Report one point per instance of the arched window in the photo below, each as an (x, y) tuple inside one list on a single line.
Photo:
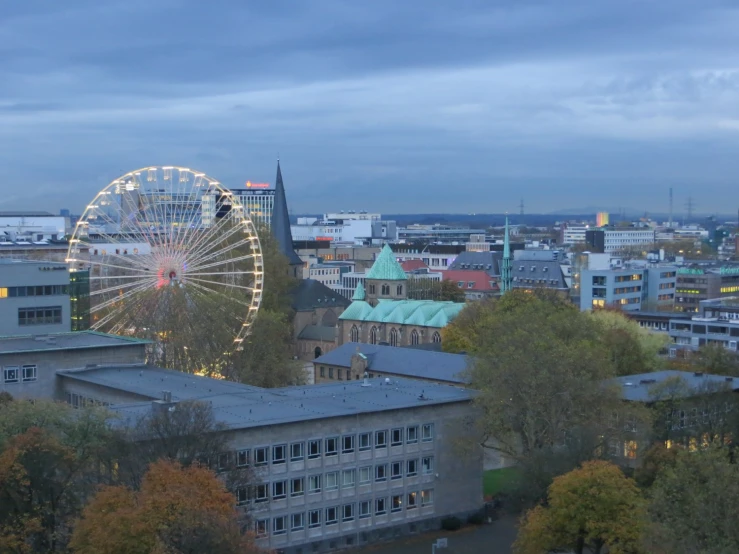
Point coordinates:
[(414, 337), (386, 290), (400, 290), (354, 334), (394, 337), (317, 353), (436, 337), (373, 335)]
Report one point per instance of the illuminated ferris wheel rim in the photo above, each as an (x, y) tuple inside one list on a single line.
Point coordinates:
[(192, 231)]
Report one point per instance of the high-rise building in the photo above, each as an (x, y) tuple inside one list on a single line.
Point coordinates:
[(601, 219), (258, 202)]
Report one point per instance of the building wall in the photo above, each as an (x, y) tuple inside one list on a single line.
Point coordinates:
[(455, 476), (396, 290), (36, 274), (384, 331), (49, 362)]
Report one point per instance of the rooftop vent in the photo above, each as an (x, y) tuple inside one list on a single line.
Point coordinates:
[(167, 396)]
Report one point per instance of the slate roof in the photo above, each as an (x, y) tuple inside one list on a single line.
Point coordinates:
[(240, 406), (311, 294), (531, 273), (323, 333), (64, 341), (405, 362), (479, 278), (280, 224), (425, 313), (487, 261), (641, 387), (386, 267)]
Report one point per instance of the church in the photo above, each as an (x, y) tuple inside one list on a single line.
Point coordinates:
[(381, 313)]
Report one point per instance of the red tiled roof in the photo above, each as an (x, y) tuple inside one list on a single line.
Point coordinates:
[(412, 265), (479, 278)]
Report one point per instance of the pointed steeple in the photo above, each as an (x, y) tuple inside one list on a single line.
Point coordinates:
[(280, 223), (359, 293), (506, 279)]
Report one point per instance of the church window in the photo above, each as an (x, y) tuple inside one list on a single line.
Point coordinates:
[(373, 335), (372, 289), (394, 337), (414, 337), (400, 290), (386, 290), (354, 334), (437, 337)]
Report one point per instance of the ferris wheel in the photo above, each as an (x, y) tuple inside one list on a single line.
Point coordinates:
[(173, 258)]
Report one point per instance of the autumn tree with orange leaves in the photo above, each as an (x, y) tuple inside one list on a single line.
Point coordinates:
[(178, 510), (594, 508)]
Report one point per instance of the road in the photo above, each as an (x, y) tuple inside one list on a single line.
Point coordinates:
[(494, 538)]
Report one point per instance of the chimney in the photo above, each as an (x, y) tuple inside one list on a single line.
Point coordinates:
[(365, 382)]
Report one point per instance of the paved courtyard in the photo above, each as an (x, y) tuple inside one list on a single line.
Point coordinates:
[(494, 538)]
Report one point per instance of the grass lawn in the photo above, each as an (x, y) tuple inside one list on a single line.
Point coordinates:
[(495, 480)]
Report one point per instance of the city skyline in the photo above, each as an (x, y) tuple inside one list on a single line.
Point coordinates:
[(420, 107)]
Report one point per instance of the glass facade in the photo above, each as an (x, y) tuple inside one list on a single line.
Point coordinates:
[(79, 299)]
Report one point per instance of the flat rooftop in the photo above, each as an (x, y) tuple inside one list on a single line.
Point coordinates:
[(645, 387), (243, 406), (64, 341)]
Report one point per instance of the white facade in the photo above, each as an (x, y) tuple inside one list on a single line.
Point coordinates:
[(30, 227), (574, 234), (619, 239), (258, 204)]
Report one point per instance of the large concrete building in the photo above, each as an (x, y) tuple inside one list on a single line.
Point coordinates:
[(335, 465), (614, 240), (34, 297), (696, 284)]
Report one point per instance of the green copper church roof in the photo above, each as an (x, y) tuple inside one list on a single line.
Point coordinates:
[(424, 313), (386, 267), (359, 292)]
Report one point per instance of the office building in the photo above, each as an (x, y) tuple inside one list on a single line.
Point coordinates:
[(30, 227), (573, 233), (612, 240), (258, 202), (696, 284), (717, 322), (34, 297)]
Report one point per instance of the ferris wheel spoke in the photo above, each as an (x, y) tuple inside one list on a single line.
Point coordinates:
[(122, 297), (149, 281), (214, 236), (103, 264), (221, 273), (208, 290), (227, 285), (118, 225), (134, 259), (223, 262), (223, 251)]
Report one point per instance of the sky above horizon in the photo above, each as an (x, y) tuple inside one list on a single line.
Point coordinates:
[(417, 106)]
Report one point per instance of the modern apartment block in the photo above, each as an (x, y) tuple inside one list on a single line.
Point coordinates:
[(34, 297), (717, 322), (633, 287), (696, 284)]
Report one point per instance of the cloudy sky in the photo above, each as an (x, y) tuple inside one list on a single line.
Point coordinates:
[(396, 106)]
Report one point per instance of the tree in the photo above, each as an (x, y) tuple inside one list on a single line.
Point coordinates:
[(266, 360), (539, 365), (593, 507), (50, 461), (420, 288), (633, 349), (463, 334), (178, 510), (695, 504), (278, 282), (451, 292), (715, 358)]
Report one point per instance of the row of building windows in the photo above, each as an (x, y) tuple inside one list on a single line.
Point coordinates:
[(16, 374), (624, 278), (39, 290), (627, 290), (345, 513), (78, 401), (328, 447), (39, 316), (333, 480), (374, 336)]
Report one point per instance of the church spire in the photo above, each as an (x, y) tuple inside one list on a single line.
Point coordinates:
[(280, 223), (506, 280)]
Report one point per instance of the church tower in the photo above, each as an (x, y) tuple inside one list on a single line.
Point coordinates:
[(280, 226), (386, 279), (506, 278)]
